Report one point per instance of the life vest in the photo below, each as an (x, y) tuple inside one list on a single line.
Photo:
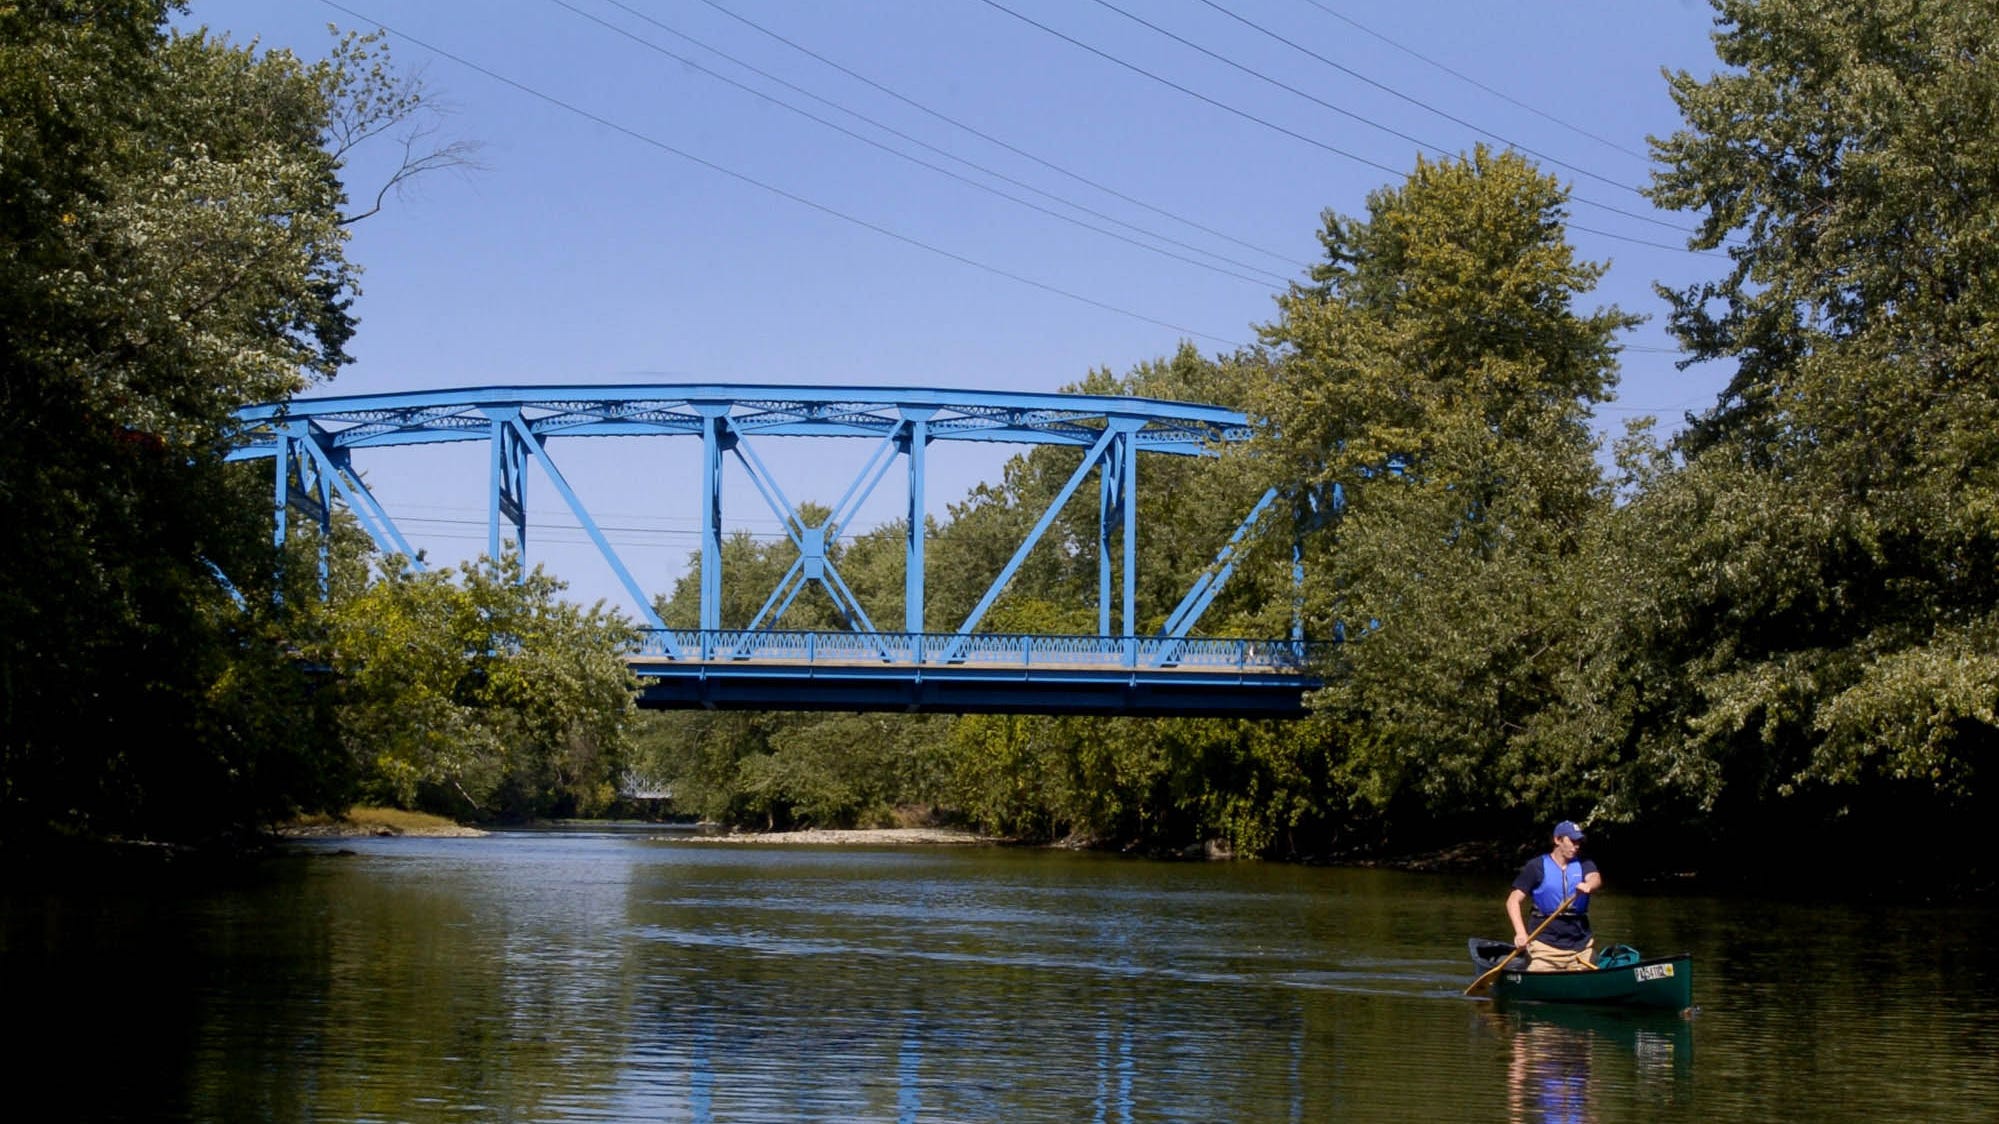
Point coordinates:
[(1557, 883)]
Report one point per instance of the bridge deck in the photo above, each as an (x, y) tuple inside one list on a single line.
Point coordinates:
[(991, 674)]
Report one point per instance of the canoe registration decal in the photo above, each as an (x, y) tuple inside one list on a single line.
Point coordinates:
[(1652, 972)]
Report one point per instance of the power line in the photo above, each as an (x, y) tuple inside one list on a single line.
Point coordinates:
[(1373, 124), (760, 536), (688, 520), (1265, 281), (1463, 77), (1316, 143), (1427, 107), (773, 189), (989, 138)]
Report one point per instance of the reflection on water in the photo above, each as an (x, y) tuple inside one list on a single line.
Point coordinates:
[(1565, 1062), (572, 977)]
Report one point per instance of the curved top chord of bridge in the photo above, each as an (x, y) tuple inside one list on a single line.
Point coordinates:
[(313, 442)]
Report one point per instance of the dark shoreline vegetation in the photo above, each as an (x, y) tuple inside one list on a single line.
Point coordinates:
[(1766, 646)]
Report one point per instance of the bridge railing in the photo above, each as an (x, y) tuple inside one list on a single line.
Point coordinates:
[(917, 649)]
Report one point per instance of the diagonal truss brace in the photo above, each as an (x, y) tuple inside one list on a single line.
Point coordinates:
[(1116, 428), (529, 446), (910, 437), (306, 463), (812, 563), (1209, 585)]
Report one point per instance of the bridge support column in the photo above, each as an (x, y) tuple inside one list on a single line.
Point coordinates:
[(303, 484), (1117, 513), (509, 491), (915, 440), (716, 438)]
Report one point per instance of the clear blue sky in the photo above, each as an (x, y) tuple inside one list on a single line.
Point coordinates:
[(635, 217)]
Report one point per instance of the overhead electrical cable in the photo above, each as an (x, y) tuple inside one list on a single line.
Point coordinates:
[(1373, 124), (988, 137), (1421, 104), (610, 532), (1267, 279), (773, 189), (1292, 133), (1463, 77)]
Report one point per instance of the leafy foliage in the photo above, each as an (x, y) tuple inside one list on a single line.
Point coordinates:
[(1826, 566), (1431, 390), (170, 249), (779, 770), (481, 692), (1785, 619)]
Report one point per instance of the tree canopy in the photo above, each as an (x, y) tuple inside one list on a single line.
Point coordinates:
[(1431, 390), (1781, 623), (170, 248), (1827, 562)]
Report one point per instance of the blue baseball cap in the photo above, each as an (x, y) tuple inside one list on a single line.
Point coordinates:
[(1567, 829)]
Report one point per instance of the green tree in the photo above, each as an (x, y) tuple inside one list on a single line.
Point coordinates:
[(482, 692), (171, 247), (1826, 565), (782, 769), (1430, 394), (1160, 784), (752, 570)]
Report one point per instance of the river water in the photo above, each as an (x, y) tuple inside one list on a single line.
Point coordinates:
[(648, 976)]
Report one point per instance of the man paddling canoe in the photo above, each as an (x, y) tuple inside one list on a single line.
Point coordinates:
[(1565, 944)]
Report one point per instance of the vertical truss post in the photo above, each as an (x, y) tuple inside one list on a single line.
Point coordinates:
[(509, 491), (530, 445), (1130, 505), (716, 437), (1110, 498), (915, 440), (281, 490), (1117, 514), (323, 501)]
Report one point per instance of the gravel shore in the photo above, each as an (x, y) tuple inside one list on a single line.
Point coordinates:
[(360, 830), (898, 836), (928, 836)]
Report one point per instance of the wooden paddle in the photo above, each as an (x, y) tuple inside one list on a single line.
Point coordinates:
[(1497, 968)]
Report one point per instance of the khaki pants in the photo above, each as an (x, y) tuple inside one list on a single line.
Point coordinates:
[(1543, 957)]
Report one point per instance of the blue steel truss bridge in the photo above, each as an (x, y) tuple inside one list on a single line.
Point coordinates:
[(315, 444)]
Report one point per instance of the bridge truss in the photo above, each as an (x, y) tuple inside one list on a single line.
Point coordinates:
[(312, 444)]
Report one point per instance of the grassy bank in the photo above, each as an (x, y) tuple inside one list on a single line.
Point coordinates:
[(367, 820)]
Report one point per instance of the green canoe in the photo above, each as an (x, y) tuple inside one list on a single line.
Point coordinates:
[(1622, 979)]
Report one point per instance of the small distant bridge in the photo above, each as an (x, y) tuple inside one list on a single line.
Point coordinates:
[(313, 442)]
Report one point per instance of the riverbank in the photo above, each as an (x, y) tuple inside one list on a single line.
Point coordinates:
[(368, 821), (863, 836)]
